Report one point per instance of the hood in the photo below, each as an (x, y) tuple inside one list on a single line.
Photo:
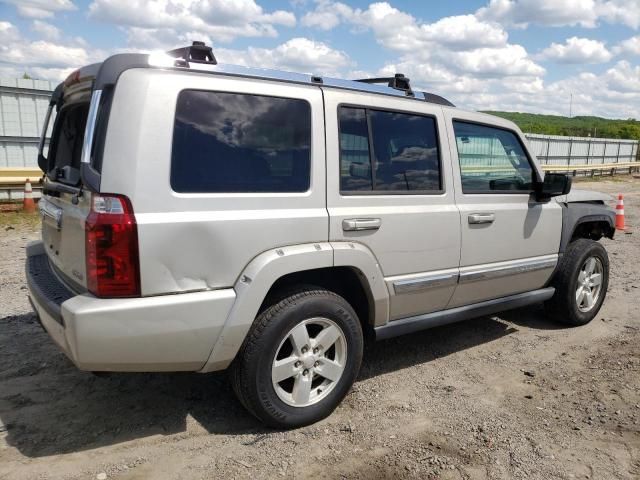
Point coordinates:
[(584, 196)]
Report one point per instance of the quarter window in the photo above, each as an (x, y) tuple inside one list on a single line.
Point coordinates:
[(491, 159), (230, 142), (388, 151)]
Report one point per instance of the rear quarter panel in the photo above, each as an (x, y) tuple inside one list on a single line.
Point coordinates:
[(200, 241)]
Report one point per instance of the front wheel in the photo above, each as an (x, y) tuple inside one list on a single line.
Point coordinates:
[(299, 359), (581, 282)]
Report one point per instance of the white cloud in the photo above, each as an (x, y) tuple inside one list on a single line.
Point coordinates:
[(298, 54), (51, 60), (503, 61), (40, 8), (220, 20), (557, 13), (45, 30), (464, 32), (44, 53), (327, 15), (628, 46), (625, 12), (614, 94), (456, 44), (8, 33), (623, 77), (521, 13), (577, 50)]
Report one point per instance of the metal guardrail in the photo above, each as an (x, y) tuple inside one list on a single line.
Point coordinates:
[(12, 183), (583, 154), (633, 166), (12, 179)]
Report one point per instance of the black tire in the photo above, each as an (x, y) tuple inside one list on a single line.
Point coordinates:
[(563, 306), (251, 370)]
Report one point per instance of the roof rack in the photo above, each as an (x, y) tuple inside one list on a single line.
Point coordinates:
[(398, 82), (198, 52)]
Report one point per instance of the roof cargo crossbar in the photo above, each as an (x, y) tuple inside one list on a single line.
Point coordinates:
[(398, 82), (198, 52)]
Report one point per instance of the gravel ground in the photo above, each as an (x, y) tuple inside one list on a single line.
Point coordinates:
[(513, 396)]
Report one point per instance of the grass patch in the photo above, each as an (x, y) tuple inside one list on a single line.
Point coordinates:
[(27, 221)]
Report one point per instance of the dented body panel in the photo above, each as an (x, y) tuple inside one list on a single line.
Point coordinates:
[(201, 240)]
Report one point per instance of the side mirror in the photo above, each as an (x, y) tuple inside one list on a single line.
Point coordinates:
[(554, 184)]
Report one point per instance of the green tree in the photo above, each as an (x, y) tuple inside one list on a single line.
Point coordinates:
[(575, 126)]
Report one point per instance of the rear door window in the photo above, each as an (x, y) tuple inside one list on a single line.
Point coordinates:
[(240, 143), (388, 152)]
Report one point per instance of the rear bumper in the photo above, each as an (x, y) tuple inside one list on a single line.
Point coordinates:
[(161, 333)]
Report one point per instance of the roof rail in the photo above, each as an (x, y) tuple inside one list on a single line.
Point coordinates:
[(198, 52), (398, 82), (433, 98)]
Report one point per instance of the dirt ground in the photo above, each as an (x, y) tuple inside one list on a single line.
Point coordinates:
[(513, 396)]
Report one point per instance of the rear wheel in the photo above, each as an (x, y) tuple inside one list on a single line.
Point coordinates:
[(581, 282), (299, 360)]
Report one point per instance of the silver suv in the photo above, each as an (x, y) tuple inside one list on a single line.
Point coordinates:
[(199, 217)]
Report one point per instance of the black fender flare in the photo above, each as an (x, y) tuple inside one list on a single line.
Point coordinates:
[(579, 213)]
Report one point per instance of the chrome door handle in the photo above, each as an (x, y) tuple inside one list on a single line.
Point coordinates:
[(357, 224), (476, 218)]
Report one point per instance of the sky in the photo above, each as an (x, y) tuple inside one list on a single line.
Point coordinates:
[(513, 55)]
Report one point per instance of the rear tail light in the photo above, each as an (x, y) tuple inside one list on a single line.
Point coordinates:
[(111, 246)]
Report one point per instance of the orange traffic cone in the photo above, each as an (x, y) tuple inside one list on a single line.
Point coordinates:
[(28, 205), (620, 213)]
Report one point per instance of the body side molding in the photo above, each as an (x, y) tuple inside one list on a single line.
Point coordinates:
[(506, 269), (414, 283)]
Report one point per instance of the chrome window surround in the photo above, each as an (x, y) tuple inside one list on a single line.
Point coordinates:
[(45, 127), (91, 126)]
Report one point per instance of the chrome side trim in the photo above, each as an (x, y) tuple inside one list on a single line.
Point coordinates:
[(417, 283), (45, 127), (443, 278), (91, 126), (480, 273)]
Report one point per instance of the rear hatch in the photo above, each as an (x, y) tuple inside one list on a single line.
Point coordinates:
[(64, 205)]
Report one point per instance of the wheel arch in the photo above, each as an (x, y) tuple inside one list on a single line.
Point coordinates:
[(346, 281), (319, 264), (586, 220)]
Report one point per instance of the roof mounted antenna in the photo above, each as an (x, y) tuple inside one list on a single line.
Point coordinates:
[(198, 52), (398, 82)]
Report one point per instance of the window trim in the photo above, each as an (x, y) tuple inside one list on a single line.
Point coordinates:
[(303, 193), (372, 192), (534, 170)]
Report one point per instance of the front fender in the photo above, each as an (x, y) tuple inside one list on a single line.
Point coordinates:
[(576, 214)]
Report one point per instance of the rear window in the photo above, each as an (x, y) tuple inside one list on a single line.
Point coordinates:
[(240, 143)]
